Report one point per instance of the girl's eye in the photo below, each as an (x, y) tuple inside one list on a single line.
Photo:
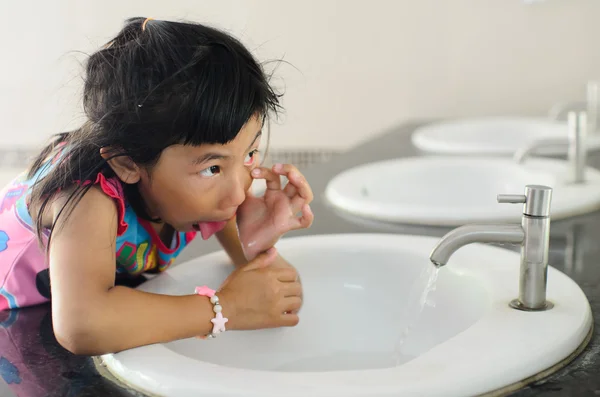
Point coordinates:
[(211, 171), (249, 160)]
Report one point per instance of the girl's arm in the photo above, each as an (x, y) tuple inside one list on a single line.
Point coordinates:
[(93, 316)]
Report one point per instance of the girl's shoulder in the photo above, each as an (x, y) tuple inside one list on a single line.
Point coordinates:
[(105, 198)]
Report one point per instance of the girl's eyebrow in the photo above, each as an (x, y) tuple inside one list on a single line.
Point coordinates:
[(209, 156)]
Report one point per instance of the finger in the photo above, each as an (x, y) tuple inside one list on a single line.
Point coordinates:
[(272, 179), (307, 217), (284, 169), (262, 260), (304, 189), (296, 179), (297, 204), (305, 220), (292, 289), (289, 320), (290, 190), (286, 274), (292, 304)]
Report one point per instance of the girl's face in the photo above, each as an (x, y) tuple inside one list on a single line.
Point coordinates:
[(193, 184)]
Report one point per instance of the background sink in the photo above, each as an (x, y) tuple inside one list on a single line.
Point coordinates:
[(492, 136), (366, 327), (451, 191)]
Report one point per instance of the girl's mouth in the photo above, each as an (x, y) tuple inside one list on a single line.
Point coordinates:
[(207, 229)]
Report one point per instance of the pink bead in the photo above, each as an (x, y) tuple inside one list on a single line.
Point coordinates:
[(205, 291)]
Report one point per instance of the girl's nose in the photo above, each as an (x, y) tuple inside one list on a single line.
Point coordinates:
[(241, 185), (247, 178)]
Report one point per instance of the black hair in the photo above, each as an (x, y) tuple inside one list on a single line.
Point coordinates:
[(156, 84)]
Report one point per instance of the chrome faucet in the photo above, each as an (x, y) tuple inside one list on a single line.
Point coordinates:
[(575, 142), (591, 105), (533, 234)]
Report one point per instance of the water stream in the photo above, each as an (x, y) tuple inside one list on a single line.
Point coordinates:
[(424, 285)]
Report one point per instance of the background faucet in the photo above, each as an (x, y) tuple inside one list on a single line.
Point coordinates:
[(574, 142), (591, 105), (533, 234)]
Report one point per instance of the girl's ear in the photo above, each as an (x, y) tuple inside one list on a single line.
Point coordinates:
[(127, 171)]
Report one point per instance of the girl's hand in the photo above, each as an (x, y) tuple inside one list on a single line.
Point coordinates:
[(263, 220), (259, 295)]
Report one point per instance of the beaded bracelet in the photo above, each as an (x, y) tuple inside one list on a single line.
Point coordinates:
[(218, 321)]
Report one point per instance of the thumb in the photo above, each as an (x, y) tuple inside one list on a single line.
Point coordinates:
[(262, 260)]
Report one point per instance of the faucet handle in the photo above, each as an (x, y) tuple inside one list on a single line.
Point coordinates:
[(536, 200), (512, 198)]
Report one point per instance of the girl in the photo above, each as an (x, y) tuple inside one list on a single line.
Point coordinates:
[(175, 113)]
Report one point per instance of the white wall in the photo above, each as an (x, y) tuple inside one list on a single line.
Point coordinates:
[(363, 66)]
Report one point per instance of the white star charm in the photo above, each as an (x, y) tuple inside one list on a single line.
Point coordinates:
[(219, 323)]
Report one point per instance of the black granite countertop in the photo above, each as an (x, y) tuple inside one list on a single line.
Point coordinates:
[(33, 364)]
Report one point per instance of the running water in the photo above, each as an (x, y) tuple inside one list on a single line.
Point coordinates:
[(424, 285)]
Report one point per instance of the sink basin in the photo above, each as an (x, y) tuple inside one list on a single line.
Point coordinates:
[(451, 191), (368, 328), (492, 136)]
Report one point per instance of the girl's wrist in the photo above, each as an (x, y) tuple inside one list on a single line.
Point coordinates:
[(252, 250), (227, 303), (251, 254), (219, 313)]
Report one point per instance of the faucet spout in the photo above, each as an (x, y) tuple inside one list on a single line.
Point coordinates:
[(528, 150), (574, 144), (533, 234), (468, 234)]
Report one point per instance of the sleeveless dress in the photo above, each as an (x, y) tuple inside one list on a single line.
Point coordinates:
[(24, 273)]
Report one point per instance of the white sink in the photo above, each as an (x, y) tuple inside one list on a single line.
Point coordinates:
[(451, 191), (362, 332), (492, 136)]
